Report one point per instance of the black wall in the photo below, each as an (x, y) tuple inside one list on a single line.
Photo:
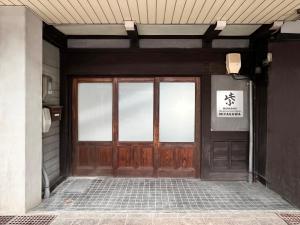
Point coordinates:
[(283, 121)]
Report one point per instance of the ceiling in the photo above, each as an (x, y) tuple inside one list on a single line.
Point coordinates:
[(150, 13)]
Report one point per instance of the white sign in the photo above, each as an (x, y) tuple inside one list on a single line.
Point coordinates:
[(230, 103)]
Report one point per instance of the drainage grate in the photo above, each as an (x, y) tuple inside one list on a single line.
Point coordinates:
[(5, 219), (290, 219), (32, 220)]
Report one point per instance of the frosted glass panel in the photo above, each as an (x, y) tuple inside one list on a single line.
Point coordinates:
[(135, 111), (177, 112), (95, 112)]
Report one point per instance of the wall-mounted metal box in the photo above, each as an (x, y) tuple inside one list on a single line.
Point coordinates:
[(56, 112)]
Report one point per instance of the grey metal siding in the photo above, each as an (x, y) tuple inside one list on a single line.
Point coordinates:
[(51, 139)]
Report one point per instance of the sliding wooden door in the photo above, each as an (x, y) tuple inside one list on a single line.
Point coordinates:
[(178, 127), (134, 122), (136, 126), (92, 127)]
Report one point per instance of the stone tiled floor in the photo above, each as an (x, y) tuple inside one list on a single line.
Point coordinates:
[(159, 195), (204, 218)]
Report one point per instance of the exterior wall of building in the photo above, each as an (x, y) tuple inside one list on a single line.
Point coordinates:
[(156, 62), (283, 142), (21, 109), (51, 139)]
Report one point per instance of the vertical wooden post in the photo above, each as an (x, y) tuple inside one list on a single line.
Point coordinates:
[(197, 155), (156, 127), (74, 154), (115, 126)]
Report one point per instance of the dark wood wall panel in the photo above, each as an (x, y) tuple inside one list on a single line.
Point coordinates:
[(283, 120), (103, 156), (146, 157), (166, 158), (229, 156), (135, 160), (185, 157), (124, 157), (239, 155), (219, 156), (92, 159), (149, 61), (178, 161), (85, 156), (135, 156), (260, 126)]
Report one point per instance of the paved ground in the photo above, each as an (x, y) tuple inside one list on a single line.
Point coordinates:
[(159, 195), (207, 218), (162, 201)]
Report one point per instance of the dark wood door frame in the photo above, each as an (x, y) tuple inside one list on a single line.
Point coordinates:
[(177, 151), (88, 145)]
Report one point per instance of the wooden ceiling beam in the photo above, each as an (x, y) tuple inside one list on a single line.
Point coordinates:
[(263, 32), (133, 35), (54, 36), (210, 34)]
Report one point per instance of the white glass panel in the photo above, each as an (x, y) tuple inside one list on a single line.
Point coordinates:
[(135, 111), (177, 112), (95, 112)]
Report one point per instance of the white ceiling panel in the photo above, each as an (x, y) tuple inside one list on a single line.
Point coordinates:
[(97, 11), (116, 10), (160, 11), (142, 6), (215, 8), (283, 12), (186, 12), (240, 10), (178, 10), (169, 11), (151, 6), (134, 10), (196, 11), (124, 8), (226, 7), (205, 11)]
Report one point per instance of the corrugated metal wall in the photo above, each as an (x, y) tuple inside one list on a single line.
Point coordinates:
[(51, 59)]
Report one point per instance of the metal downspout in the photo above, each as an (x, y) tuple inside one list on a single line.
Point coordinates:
[(250, 175)]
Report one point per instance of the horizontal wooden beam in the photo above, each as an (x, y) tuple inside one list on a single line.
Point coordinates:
[(54, 36), (151, 37), (263, 32)]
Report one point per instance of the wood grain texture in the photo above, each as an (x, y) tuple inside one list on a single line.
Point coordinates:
[(136, 158)]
